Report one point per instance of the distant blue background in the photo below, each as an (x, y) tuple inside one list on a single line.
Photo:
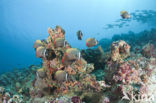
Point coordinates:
[(24, 21)]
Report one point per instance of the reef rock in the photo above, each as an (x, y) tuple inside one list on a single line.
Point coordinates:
[(119, 50), (148, 50)]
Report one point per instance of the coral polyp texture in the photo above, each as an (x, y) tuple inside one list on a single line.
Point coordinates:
[(125, 73)]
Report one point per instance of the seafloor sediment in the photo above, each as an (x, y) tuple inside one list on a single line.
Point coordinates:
[(120, 70)]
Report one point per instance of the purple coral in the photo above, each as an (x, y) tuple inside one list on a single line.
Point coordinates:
[(126, 74)]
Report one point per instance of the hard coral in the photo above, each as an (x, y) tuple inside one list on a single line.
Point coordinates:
[(119, 50)]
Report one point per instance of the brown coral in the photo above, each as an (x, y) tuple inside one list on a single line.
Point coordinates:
[(119, 50)]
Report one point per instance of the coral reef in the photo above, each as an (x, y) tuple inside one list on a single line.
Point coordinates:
[(132, 77), (132, 39), (122, 72), (63, 72), (15, 85)]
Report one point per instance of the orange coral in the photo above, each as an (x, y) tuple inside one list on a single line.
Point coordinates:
[(70, 70)]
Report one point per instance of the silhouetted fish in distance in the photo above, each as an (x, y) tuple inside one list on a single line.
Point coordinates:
[(79, 34)]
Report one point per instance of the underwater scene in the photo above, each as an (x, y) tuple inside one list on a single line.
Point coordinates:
[(77, 51)]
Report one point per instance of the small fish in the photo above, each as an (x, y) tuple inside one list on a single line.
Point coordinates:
[(79, 35), (90, 42), (61, 76), (40, 52), (125, 14), (37, 44), (71, 55), (59, 42)]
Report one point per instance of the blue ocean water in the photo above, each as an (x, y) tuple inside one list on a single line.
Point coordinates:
[(24, 21)]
